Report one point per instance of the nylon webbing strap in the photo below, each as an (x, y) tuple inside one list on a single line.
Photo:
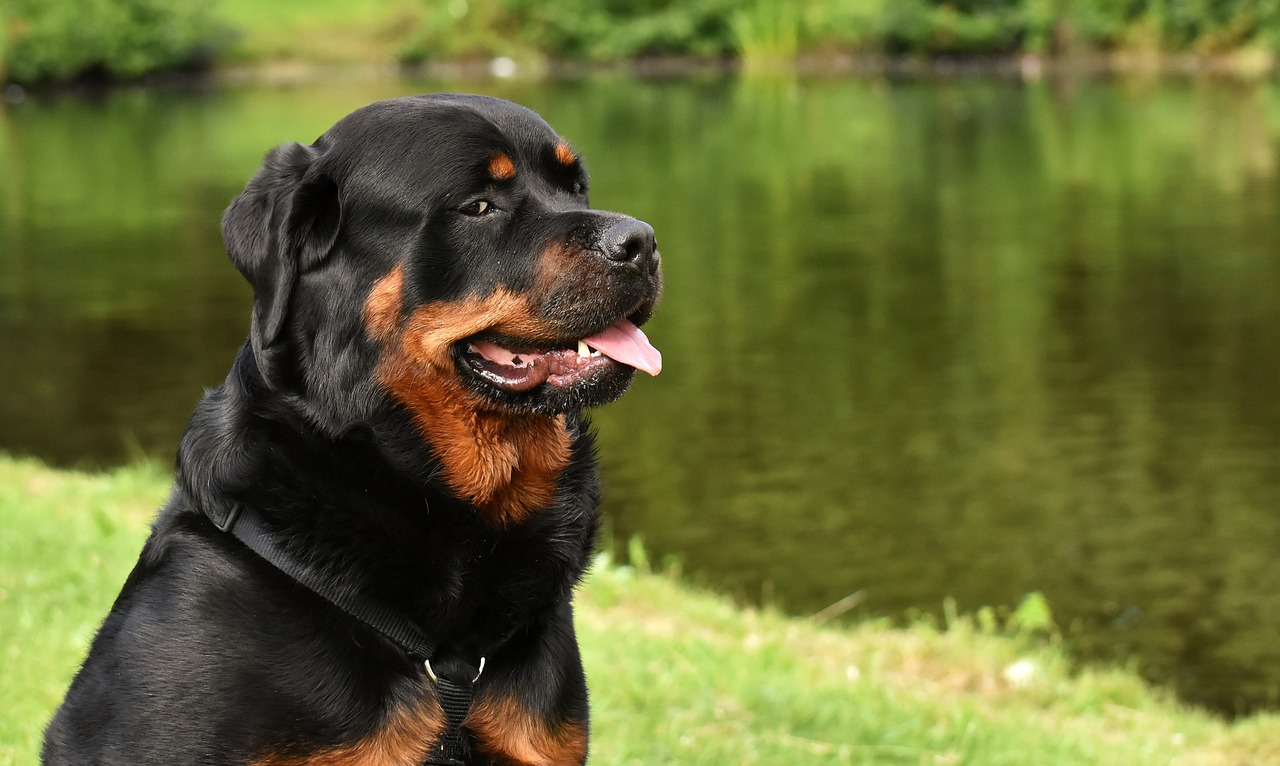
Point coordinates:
[(390, 623), (455, 698), (456, 701)]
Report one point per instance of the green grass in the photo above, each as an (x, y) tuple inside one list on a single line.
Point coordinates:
[(767, 34), (60, 39), (318, 31), (69, 540), (678, 676)]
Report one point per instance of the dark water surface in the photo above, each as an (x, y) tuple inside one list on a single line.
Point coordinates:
[(923, 340)]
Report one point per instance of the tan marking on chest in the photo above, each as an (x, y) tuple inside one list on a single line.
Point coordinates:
[(512, 736), (403, 740)]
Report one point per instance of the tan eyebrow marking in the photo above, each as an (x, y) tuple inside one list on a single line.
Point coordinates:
[(565, 155), (501, 168)]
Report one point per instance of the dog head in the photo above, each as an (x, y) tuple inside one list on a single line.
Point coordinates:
[(439, 253)]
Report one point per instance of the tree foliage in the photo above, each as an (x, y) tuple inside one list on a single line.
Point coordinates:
[(61, 39), (583, 29), (609, 29)]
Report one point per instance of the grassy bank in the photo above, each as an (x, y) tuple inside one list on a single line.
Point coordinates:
[(678, 676), (1235, 35), (43, 40)]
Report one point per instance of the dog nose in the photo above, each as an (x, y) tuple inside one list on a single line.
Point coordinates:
[(629, 241)]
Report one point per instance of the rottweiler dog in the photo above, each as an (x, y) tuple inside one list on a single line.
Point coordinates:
[(379, 518)]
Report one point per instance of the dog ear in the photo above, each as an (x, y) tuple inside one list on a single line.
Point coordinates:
[(284, 222)]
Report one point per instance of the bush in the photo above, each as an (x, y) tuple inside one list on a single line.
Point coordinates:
[(63, 39), (773, 29), (60, 39), (600, 30)]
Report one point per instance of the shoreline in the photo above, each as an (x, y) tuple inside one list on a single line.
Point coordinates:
[(1241, 66)]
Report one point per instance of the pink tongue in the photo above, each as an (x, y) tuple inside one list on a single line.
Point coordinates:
[(624, 342)]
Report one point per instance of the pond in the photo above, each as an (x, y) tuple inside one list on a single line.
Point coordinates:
[(964, 339)]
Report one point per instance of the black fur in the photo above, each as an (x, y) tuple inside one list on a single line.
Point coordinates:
[(210, 655)]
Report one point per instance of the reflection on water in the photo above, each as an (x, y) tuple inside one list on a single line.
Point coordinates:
[(968, 339)]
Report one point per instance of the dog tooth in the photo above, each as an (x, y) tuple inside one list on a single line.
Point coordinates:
[(584, 350)]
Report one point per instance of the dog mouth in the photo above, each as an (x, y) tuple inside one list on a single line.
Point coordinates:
[(517, 366)]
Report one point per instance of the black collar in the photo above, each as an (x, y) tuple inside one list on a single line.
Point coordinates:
[(243, 524), (454, 695)]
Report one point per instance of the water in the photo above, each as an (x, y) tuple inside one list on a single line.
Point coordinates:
[(967, 339)]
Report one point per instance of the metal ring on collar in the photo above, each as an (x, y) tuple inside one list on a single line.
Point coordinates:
[(431, 673)]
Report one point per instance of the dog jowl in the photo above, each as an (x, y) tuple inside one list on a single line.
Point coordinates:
[(378, 519)]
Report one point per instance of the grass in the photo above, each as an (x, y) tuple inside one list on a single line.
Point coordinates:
[(318, 31), (286, 40), (678, 675), (767, 33)]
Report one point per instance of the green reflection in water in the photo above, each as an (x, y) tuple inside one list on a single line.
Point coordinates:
[(967, 339)]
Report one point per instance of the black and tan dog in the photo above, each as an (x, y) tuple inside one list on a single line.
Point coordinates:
[(393, 494)]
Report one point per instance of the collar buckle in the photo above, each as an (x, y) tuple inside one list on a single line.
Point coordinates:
[(225, 521)]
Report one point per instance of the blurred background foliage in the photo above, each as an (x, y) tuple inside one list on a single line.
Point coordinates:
[(61, 39)]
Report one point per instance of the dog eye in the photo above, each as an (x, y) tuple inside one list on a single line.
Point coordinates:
[(478, 208)]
